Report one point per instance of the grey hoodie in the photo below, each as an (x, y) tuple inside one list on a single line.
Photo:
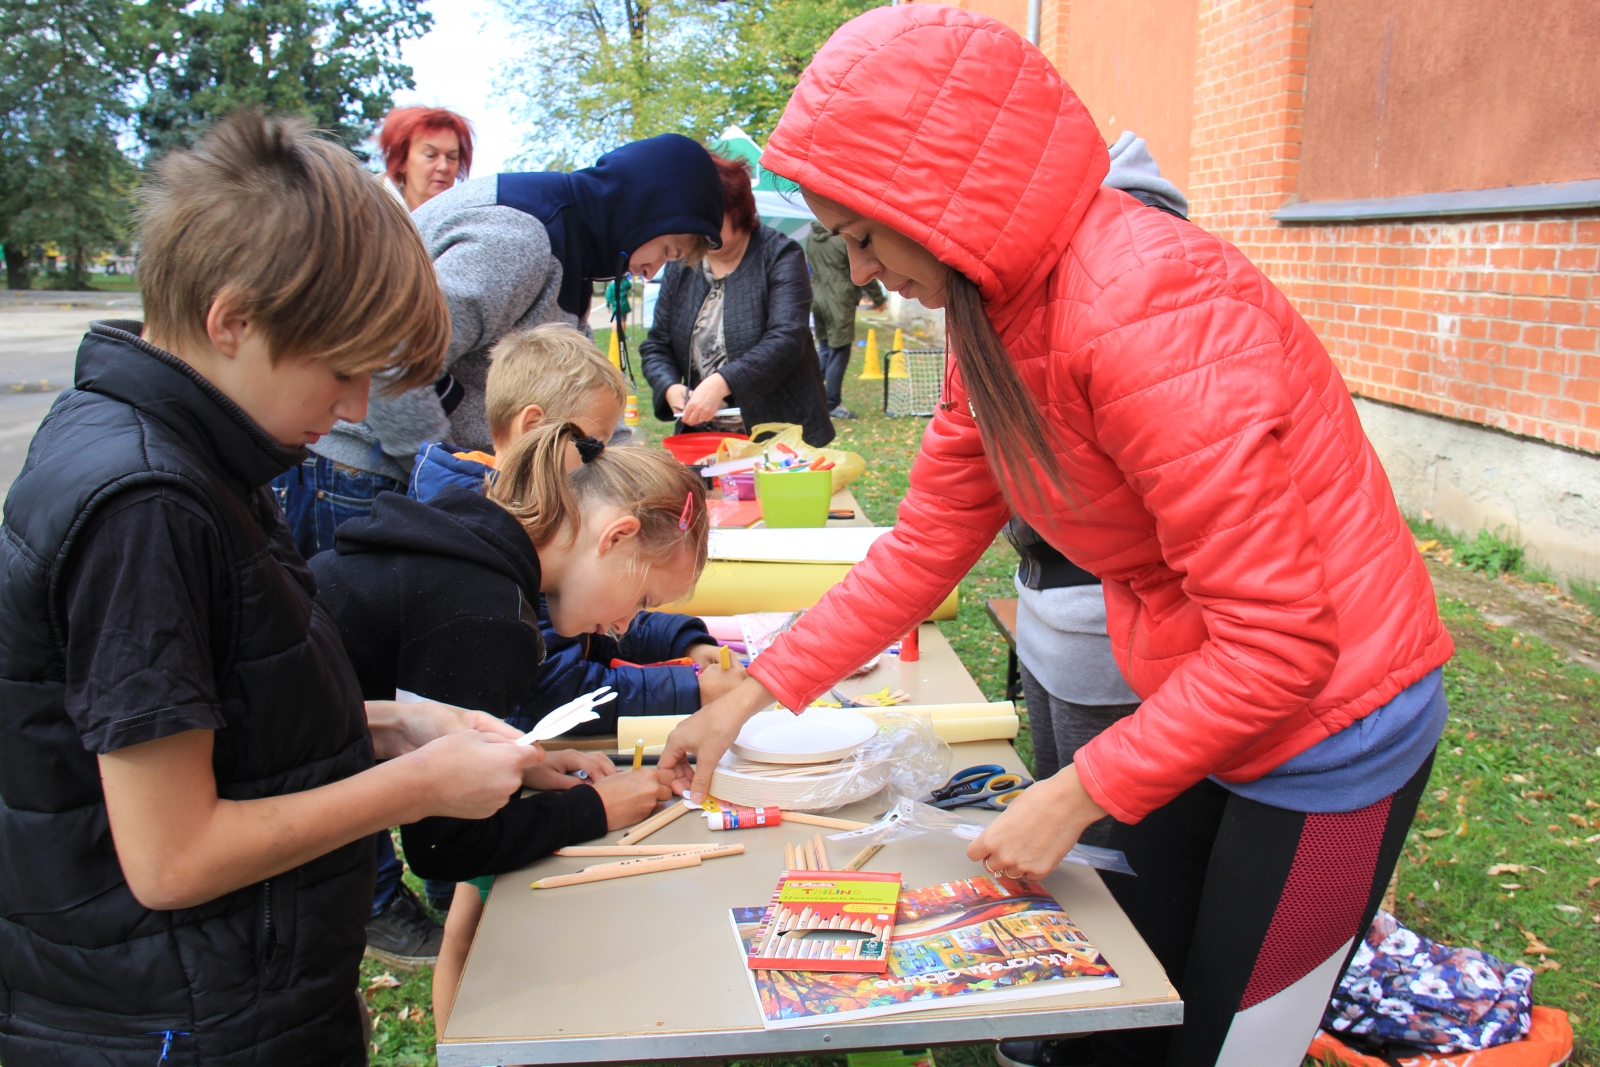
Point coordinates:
[(498, 275)]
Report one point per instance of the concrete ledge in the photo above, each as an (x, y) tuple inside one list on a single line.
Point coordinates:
[(1515, 199), (1470, 477)]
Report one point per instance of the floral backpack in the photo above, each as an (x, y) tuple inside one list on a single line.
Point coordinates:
[(1406, 999)]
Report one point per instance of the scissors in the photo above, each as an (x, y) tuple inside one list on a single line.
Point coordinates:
[(978, 786)]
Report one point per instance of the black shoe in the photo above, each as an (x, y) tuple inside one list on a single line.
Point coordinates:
[(403, 934), (1073, 1052), (841, 412)]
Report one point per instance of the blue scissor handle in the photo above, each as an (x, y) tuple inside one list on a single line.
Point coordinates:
[(964, 783), (993, 786)]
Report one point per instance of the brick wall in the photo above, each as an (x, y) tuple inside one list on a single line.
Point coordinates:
[(1491, 321)]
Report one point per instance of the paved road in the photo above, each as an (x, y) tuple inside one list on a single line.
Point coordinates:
[(39, 335)]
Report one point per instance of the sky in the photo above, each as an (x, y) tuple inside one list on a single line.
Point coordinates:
[(455, 66)]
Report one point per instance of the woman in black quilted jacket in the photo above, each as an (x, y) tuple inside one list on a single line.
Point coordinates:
[(733, 331)]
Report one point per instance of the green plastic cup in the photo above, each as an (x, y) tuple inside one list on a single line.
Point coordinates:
[(794, 498)]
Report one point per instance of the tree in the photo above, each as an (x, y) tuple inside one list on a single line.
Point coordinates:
[(63, 176), (599, 73), (337, 62)]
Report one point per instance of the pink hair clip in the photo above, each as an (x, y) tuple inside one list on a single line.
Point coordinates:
[(688, 512)]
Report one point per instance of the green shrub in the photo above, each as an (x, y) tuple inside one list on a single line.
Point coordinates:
[(1491, 553)]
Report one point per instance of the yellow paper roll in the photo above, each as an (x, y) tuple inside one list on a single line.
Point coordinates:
[(735, 587)]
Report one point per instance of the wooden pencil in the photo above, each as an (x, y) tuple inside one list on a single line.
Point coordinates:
[(619, 870), (674, 810), (633, 850), (824, 864), (860, 859), (788, 856), (704, 854), (821, 820)]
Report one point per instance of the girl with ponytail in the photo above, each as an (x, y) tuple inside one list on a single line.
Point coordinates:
[(440, 599), (1145, 398)]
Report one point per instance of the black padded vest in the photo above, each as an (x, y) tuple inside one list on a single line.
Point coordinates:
[(263, 975)]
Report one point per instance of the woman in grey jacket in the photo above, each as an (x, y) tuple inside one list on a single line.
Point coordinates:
[(734, 330)]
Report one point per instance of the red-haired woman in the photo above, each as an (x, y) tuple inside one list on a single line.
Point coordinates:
[(1149, 402), (426, 150), (734, 329)]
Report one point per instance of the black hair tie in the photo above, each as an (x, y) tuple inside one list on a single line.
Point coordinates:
[(588, 447)]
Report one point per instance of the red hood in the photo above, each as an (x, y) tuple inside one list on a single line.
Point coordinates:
[(949, 127)]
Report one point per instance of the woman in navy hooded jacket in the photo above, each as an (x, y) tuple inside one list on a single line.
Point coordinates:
[(514, 251)]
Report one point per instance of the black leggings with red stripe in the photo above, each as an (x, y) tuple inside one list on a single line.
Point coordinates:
[(1254, 912)]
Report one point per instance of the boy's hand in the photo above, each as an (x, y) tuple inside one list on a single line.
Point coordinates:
[(705, 655), (559, 769), (471, 774), (399, 727), (632, 795), (714, 681)]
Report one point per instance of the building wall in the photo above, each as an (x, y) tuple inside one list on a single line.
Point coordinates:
[(1430, 96)]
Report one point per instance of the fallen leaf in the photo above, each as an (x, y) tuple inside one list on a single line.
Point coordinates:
[(1461, 831), (1578, 820), (1510, 868), (1436, 832), (1519, 779), (1568, 909), (1547, 965), (1424, 546), (1538, 794), (383, 981), (1523, 817), (1512, 885), (1594, 882)]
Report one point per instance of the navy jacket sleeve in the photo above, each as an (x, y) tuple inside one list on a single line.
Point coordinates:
[(570, 671), (654, 636), (525, 830)]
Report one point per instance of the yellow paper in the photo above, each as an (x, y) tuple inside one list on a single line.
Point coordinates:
[(733, 587)]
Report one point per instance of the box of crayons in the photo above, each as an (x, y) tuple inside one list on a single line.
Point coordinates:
[(828, 921)]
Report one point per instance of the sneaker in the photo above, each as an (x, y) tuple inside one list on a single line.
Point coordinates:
[(404, 935), (841, 412), (1070, 1053)]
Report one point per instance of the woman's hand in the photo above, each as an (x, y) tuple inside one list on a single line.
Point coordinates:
[(560, 767), (706, 400), (707, 734), (632, 795), (677, 396), (400, 727), (1031, 836)]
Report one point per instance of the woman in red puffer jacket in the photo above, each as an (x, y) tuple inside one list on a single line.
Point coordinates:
[(1153, 406)]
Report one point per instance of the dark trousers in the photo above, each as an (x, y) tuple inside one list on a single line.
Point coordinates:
[(835, 361), (1253, 912)]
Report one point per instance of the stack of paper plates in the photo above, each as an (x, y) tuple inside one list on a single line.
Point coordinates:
[(792, 761)]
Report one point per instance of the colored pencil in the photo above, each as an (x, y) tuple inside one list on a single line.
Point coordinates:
[(655, 822), (638, 754), (824, 864), (861, 858), (725, 656), (609, 871)]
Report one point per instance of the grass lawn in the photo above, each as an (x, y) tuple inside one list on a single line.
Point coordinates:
[(1515, 787)]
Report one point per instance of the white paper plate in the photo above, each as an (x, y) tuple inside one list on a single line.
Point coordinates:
[(815, 736)]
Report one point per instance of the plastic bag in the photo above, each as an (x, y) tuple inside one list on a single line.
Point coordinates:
[(911, 818), (847, 466), (905, 756)]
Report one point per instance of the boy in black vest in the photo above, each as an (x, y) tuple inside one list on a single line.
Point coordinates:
[(187, 788)]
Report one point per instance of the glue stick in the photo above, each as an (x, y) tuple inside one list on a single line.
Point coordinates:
[(744, 818), (909, 652)]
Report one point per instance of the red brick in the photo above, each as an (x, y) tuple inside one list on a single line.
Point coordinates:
[(1579, 340), (1548, 384)]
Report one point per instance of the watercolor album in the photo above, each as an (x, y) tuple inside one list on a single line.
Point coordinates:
[(975, 941)]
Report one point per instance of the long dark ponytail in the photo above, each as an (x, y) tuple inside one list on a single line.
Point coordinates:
[(1019, 442)]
